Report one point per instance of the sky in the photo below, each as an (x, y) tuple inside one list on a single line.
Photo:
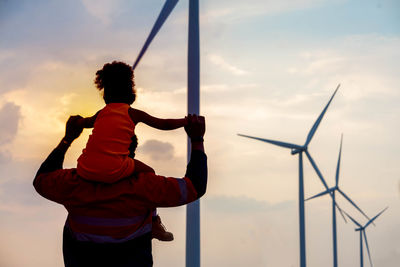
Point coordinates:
[(267, 69)]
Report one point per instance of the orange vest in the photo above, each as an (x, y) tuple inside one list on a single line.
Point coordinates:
[(105, 158)]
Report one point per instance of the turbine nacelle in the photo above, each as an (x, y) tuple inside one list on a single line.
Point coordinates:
[(295, 151)]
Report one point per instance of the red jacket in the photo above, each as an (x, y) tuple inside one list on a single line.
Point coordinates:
[(117, 212)]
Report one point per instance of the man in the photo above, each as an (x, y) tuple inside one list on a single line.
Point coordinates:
[(110, 224)]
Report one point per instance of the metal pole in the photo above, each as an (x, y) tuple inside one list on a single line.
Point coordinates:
[(334, 230), (193, 209), (301, 214), (361, 250)]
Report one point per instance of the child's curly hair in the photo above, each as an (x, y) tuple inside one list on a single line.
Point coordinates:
[(117, 80)]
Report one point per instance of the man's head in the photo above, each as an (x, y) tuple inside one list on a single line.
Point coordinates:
[(117, 81)]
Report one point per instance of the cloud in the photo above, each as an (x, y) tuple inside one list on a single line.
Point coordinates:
[(18, 195), (5, 156), (220, 62), (254, 230), (354, 62), (104, 10), (10, 116), (243, 204), (212, 88), (398, 187), (158, 150), (234, 10)]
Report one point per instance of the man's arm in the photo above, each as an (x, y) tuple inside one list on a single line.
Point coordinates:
[(197, 168), (56, 158), (197, 171), (160, 191)]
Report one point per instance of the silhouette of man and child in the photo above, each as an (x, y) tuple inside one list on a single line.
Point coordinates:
[(111, 197)]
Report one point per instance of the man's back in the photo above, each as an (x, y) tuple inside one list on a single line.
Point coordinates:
[(117, 212)]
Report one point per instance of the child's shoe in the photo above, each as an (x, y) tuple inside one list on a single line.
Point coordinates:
[(159, 232)]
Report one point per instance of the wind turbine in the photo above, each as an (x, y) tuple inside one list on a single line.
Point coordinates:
[(332, 192), (193, 74), (361, 229), (300, 149)]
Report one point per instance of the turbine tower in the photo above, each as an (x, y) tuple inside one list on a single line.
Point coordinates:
[(300, 149), (361, 229), (193, 209), (332, 192)]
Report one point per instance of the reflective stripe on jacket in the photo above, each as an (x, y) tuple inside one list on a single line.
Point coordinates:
[(108, 230)]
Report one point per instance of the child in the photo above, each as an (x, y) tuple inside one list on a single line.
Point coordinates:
[(106, 156)]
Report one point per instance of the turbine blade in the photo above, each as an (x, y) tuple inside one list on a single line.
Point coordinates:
[(318, 121), (341, 211), (338, 163), (351, 218), (373, 219), (352, 203), (317, 170), (366, 244), (318, 195), (278, 143), (162, 17)]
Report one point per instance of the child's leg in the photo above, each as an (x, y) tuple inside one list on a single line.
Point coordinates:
[(158, 229)]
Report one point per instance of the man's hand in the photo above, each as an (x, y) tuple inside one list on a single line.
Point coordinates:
[(73, 128), (196, 127), (55, 160)]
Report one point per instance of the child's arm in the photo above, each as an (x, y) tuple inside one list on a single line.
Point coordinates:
[(161, 124), (89, 121), (141, 167)]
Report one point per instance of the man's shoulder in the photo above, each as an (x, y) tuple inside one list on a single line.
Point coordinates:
[(64, 172), (60, 175), (150, 179), (56, 184)]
